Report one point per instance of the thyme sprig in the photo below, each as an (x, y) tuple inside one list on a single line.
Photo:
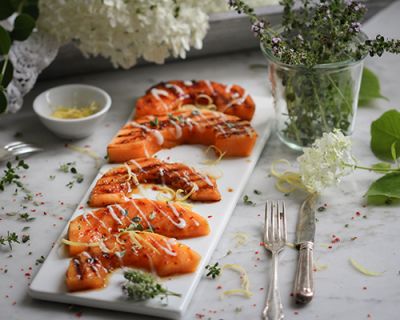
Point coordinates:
[(317, 32), (11, 176), (69, 167), (213, 270), (141, 286), (11, 238)]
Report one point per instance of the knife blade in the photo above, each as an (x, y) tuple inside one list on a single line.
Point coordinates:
[(305, 233)]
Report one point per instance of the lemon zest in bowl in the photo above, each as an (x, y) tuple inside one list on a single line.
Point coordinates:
[(75, 112), (364, 270)]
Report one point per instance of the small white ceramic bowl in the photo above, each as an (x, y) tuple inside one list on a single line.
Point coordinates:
[(71, 95)]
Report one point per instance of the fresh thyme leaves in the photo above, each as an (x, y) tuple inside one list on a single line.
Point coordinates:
[(213, 270), (258, 192), (40, 260), (26, 217), (11, 238), (11, 176), (247, 201), (52, 177), (70, 167), (141, 286), (154, 122)]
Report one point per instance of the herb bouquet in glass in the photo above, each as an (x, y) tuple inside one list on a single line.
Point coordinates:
[(315, 63)]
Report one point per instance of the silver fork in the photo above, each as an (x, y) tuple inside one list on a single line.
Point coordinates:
[(17, 148), (275, 241)]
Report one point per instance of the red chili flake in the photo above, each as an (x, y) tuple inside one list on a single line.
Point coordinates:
[(257, 252), (296, 313), (325, 204), (81, 207), (27, 274), (364, 288), (62, 203), (44, 213), (219, 287), (358, 213), (209, 217), (42, 202), (254, 305), (60, 218), (200, 316), (262, 244), (33, 210), (30, 268), (14, 303), (352, 218), (261, 289), (78, 314), (330, 247)]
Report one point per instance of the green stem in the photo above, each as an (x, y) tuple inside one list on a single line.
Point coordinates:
[(340, 93), (371, 169), (320, 106), (3, 71)]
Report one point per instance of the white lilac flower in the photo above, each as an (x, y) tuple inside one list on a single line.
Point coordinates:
[(326, 162), (125, 30)]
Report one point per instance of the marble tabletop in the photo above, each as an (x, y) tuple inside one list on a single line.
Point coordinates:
[(371, 236)]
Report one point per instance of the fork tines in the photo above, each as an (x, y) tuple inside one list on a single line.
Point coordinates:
[(275, 221)]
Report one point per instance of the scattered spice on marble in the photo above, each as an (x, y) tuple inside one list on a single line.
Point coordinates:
[(258, 192), (353, 238), (230, 189)]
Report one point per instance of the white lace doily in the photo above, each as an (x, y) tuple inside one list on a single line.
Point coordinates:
[(29, 58)]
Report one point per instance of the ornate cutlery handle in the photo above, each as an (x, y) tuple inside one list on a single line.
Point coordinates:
[(273, 308), (304, 284)]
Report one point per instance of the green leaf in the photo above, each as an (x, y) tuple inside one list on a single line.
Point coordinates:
[(8, 74), (370, 88), (31, 8), (381, 167), (385, 131), (5, 41), (6, 9), (385, 189), (3, 102), (23, 27)]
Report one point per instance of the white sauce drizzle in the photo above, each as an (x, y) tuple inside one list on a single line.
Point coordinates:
[(208, 84), (228, 88), (141, 213), (156, 93), (188, 83), (177, 88), (178, 129), (159, 137), (113, 214), (137, 165)]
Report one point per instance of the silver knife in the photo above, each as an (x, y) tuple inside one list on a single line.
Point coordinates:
[(305, 232)]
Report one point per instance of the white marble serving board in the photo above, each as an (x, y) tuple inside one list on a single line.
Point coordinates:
[(49, 283)]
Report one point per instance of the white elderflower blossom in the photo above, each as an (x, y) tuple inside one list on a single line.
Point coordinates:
[(125, 30), (326, 162)]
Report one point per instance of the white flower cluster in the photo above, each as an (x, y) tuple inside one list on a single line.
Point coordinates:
[(124, 30), (326, 162)]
